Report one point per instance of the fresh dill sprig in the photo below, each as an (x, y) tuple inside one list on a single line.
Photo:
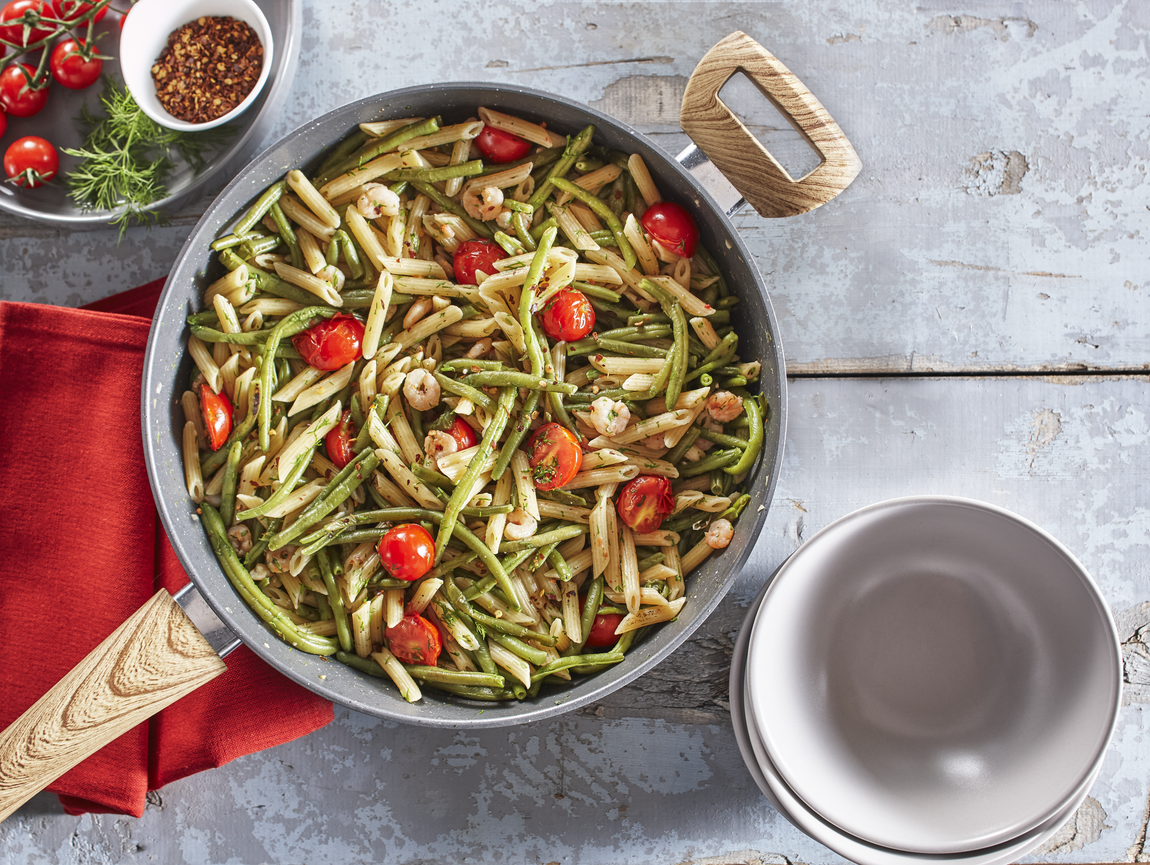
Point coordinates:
[(126, 158)]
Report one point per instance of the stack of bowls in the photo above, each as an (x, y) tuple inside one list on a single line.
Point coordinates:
[(928, 679)]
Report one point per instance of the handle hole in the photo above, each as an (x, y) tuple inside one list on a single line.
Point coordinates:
[(769, 126)]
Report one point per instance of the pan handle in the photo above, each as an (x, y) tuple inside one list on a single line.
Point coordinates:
[(149, 662), (741, 158)]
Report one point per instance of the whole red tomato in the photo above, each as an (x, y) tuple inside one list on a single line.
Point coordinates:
[(331, 344), (340, 441), (414, 640), (473, 255), (554, 455), (217, 412), (407, 551), (671, 225), (71, 68), (17, 10), (18, 98), (568, 316), (30, 161), (462, 432), (497, 145), (70, 10), (644, 502)]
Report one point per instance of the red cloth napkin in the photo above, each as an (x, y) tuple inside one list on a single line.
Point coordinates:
[(81, 548)]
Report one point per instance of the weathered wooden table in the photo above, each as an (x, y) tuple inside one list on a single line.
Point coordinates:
[(969, 318)]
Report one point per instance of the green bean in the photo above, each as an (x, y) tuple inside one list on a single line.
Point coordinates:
[(510, 378), (612, 657), (576, 145), (736, 509), (287, 234), (513, 644), (364, 665), (722, 438), (518, 206), (381, 146), (289, 326), (431, 476), (542, 539), (465, 390), (260, 209), (208, 334), (620, 648), (563, 497), (231, 471), (715, 460), (285, 489), (509, 244), (596, 291), (435, 175), (480, 512), (520, 222), (458, 600), (337, 490), (466, 363), (263, 606), (518, 433), (342, 629), (754, 443), (527, 300), (560, 565), (444, 676), (343, 150), (603, 212), (718, 357), (537, 231), (675, 455), (350, 254), (231, 240), (469, 692)]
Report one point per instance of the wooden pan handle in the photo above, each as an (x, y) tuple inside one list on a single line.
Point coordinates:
[(149, 662), (749, 166)]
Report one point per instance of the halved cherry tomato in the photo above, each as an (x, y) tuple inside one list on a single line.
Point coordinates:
[(217, 412), (407, 551), (497, 145), (414, 640), (602, 633), (70, 10), (568, 316), (554, 455), (644, 502), (340, 441), (473, 255), (332, 343), (462, 432), (671, 225), (30, 161), (15, 32), (18, 98), (71, 69)]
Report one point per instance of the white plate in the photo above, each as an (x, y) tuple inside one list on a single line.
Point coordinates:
[(934, 675)]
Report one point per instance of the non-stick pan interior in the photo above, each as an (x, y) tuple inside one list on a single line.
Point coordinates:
[(167, 371)]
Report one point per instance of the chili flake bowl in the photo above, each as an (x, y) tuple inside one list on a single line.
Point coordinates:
[(145, 35)]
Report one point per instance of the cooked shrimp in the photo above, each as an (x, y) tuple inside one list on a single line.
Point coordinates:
[(482, 202), (609, 417), (421, 390), (438, 443), (241, 539), (332, 275), (520, 525), (376, 201), (714, 426), (279, 561), (724, 406), (418, 309), (719, 534)]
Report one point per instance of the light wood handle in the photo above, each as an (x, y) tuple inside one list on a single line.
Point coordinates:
[(749, 166), (149, 662)]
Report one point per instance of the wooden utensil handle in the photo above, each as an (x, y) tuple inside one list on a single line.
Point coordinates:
[(149, 662), (749, 166)]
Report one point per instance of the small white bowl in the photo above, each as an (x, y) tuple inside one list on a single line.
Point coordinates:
[(145, 34), (934, 675)]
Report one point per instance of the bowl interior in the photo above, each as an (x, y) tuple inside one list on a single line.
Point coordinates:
[(167, 369), (145, 35), (934, 675)]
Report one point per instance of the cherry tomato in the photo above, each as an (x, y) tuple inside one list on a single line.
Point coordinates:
[(464, 435), (407, 551), (473, 255), (18, 98), (71, 69), (499, 146), (3, 120), (15, 32), (568, 316), (414, 640), (217, 412), (602, 634), (554, 455), (644, 502), (671, 225), (340, 441), (70, 10), (30, 161), (331, 344)]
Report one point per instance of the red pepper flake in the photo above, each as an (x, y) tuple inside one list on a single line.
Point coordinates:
[(208, 67)]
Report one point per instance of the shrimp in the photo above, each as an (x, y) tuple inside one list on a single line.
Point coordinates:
[(241, 539), (421, 390), (376, 201), (609, 417), (436, 444), (279, 561), (520, 525), (719, 534), (724, 406), (482, 202), (332, 275)]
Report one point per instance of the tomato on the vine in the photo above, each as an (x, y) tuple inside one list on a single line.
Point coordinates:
[(602, 633), (18, 98), (497, 145), (414, 640), (671, 225), (554, 455), (16, 10), (331, 344), (340, 441), (644, 502), (473, 255), (30, 161), (217, 413), (71, 68), (568, 316), (70, 10), (407, 551), (462, 432)]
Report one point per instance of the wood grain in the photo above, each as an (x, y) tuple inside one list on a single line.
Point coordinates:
[(149, 662), (742, 158)]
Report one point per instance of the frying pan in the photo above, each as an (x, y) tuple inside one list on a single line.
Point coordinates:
[(171, 646)]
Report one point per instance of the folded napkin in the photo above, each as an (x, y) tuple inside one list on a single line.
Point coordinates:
[(81, 548)]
